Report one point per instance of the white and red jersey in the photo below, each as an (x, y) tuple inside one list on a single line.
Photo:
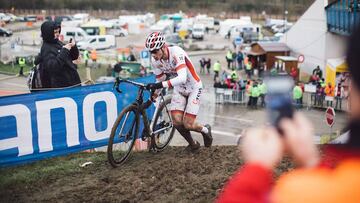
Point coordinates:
[(178, 62)]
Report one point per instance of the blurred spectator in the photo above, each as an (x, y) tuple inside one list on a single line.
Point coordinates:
[(229, 58), (239, 59), (262, 92), (117, 68), (248, 69), (248, 87), (208, 65), (242, 84), (246, 60), (343, 77), (234, 61), (131, 57), (294, 73), (314, 79), (202, 65), (229, 82), (297, 95), (228, 35), (93, 56), (86, 57), (329, 92), (322, 83), (339, 94), (217, 69), (319, 97), (224, 75), (302, 86), (217, 83), (22, 65), (334, 178), (56, 59), (318, 72), (234, 76), (255, 93)]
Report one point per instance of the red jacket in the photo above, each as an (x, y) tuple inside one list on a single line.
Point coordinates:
[(253, 183)]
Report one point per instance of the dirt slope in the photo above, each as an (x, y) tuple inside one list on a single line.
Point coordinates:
[(170, 176)]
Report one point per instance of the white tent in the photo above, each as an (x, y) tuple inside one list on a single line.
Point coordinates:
[(309, 37)]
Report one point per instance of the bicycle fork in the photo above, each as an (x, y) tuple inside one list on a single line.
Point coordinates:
[(147, 132)]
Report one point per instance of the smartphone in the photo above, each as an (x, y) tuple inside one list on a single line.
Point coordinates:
[(279, 99), (70, 41)]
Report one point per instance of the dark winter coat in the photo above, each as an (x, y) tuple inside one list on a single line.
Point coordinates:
[(57, 68)]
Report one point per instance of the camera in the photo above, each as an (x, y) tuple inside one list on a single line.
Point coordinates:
[(279, 99)]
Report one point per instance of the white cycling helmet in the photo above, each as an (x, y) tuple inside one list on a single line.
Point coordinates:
[(154, 41)]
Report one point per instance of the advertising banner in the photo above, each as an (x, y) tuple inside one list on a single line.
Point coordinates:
[(52, 123)]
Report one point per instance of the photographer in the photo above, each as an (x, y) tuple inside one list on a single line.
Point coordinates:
[(56, 59), (334, 178)]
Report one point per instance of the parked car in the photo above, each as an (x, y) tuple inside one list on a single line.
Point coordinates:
[(30, 18), (249, 36), (117, 31), (5, 33), (5, 18), (12, 17), (198, 31), (97, 42), (76, 33)]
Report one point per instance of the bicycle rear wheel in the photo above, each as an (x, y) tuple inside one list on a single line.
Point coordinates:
[(123, 136), (163, 124)]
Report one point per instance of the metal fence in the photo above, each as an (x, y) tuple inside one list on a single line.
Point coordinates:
[(223, 95), (310, 100)]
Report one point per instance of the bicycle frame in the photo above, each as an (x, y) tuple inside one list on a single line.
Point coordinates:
[(142, 106)]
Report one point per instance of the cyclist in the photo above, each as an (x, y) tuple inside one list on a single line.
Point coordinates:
[(185, 101)]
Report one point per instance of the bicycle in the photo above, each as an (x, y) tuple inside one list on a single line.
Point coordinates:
[(126, 127)]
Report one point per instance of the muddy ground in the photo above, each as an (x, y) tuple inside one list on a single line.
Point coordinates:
[(173, 175)]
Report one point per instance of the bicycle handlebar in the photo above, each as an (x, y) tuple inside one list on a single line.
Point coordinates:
[(118, 81), (141, 85)]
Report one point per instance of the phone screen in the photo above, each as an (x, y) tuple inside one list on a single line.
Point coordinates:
[(279, 99)]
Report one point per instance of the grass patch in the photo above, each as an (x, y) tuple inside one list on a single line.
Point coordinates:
[(49, 168), (13, 69)]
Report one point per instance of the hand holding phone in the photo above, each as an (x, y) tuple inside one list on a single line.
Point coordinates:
[(70, 44), (279, 103)]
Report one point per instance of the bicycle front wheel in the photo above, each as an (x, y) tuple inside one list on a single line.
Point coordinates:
[(163, 126), (123, 136)]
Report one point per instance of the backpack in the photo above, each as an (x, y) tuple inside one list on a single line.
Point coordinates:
[(34, 78)]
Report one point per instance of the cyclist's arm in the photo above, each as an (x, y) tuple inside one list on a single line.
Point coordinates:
[(179, 79)]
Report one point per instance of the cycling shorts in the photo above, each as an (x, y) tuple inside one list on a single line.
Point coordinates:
[(189, 103)]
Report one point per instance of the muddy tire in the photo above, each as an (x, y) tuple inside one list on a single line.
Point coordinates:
[(162, 117), (123, 136)]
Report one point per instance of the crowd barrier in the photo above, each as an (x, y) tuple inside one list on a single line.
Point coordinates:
[(51, 123), (224, 95), (310, 100)]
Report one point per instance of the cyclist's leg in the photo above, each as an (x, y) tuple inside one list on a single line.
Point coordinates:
[(178, 103), (192, 109)]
